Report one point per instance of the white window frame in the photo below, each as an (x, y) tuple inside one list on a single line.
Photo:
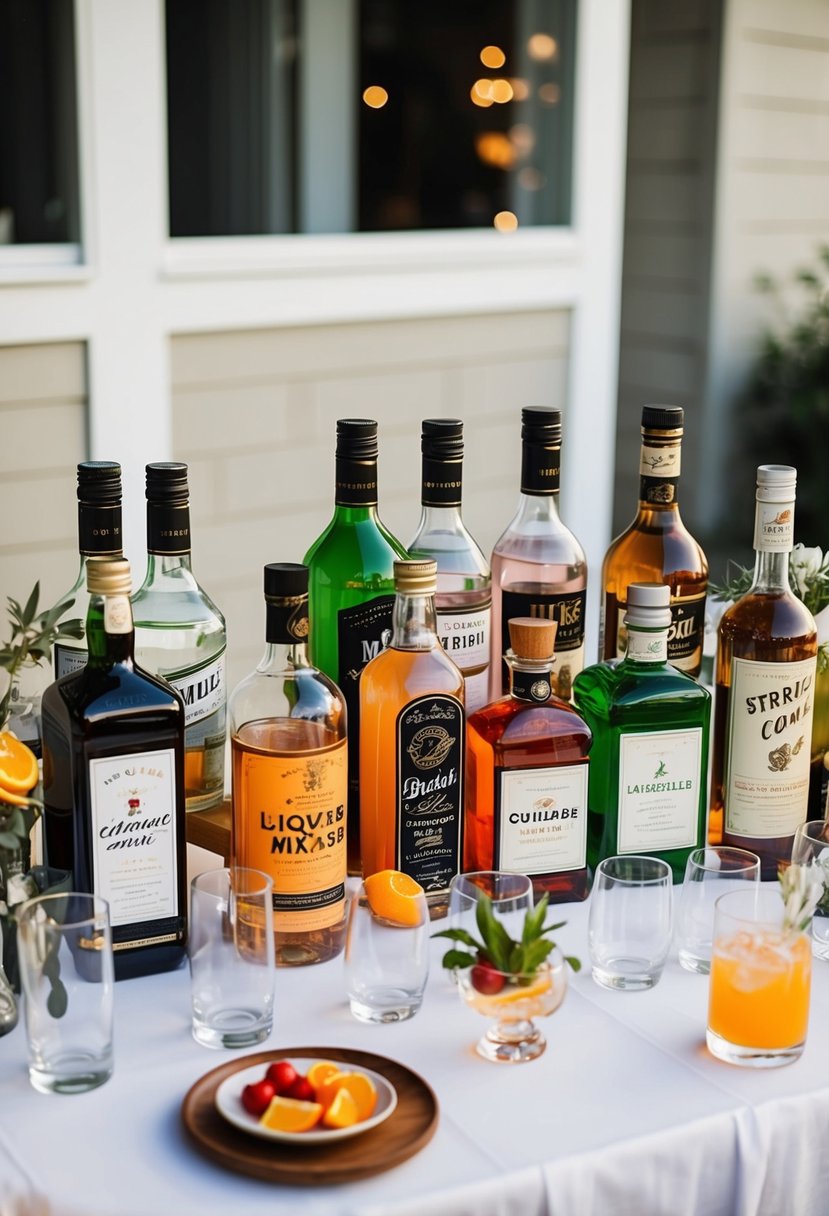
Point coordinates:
[(128, 288)]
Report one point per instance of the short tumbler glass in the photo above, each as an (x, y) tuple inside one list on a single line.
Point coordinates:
[(386, 963), (629, 921), (709, 873), (231, 951), (811, 843), (66, 968)]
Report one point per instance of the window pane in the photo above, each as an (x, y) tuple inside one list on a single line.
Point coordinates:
[(38, 137)]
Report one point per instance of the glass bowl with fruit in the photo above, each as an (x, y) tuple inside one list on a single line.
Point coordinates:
[(511, 980)]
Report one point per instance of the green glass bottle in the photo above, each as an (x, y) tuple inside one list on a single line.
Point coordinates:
[(650, 723), (351, 590)]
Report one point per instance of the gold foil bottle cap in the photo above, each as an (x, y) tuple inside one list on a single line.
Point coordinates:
[(532, 638), (108, 576), (416, 577)]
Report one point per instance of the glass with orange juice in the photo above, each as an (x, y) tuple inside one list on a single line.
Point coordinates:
[(761, 973)]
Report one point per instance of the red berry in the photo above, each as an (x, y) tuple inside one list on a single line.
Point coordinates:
[(256, 1098), (302, 1090), (487, 979), (282, 1075)]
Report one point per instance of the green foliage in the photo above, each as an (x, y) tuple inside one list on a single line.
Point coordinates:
[(519, 958), (33, 634)]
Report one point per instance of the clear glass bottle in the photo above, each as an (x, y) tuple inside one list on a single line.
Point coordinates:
[(180, 633), (113, 783), (351, 589), (649, 761), (290, 778), (538, 566), (526, 775), (765, 687), (657, 548), (412, 746), (464, 596)]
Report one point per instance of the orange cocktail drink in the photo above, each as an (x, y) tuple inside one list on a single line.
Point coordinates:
[(758, 1010)]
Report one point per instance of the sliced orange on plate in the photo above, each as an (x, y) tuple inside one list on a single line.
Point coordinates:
[(394, 896), (342, 1112), (291, 1115), (321, 1071)]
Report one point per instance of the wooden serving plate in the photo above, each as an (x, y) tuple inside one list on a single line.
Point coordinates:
[(402, 1135)]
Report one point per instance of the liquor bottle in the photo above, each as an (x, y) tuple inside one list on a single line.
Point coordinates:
[(765, 685), (463, 602), (538, 566), (351, 590), (180, 634), (99, 535), (290, 778), (412, 745), (649, 762), (113, 783), (657, 548), (526, 775)]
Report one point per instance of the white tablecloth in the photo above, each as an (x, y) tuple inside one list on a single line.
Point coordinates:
[(625, 1113)]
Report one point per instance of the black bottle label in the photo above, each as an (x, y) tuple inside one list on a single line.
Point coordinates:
[(168, 528), (429, 783), (567, 610), (442, 483), (540, 468), (361, 634), (99, 530), (356, 482)]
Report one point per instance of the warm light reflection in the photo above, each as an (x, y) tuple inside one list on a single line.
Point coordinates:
[(549, 94), (482, 89), (501, 91), (542, 46), (477, 99), (493, 57), (494, 148), (375, 96), (520, 88), (530, 178), (506, 221), (523, 138)]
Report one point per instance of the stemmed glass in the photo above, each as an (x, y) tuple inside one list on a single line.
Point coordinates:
[(514, 1001), (811, 843)]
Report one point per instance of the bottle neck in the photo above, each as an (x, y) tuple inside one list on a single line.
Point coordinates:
[(414, 623), (529, 681), (647, 647), (99, 530), (540, 469), (771, 572), (441, 484), (356, 484), (110, 636), (168, 529), (538, 508), (161, 565), (773, 541), (659, 467), (281, 657), (439, 519)]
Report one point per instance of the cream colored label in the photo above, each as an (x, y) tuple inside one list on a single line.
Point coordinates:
[(768, 746), (117, 614), (659, 462), (647, 646), (659, 790), (543, 820), (774, 527), (465, 636)]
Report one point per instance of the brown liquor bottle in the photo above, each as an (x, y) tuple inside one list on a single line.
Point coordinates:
[(657, 548), (526, 792)]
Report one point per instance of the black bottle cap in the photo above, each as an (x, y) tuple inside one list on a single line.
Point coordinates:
[(285, 580), (442, 438), (357, 438), (541, 425), (167, 482), (663, 417), (99, 482)]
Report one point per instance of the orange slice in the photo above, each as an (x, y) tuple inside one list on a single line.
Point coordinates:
[(327, 1091), (510, 994), (18, 765), (342, 1112), (362, 1090), (393, 896), (320, 1072), (290, 1115)]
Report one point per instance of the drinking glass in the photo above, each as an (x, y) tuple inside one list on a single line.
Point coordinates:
[(231, 952), (513, 1001), (511, 896), (811, 843), (709, 873), (629, 921), (758, 1009), (66, 968), (386, 962)]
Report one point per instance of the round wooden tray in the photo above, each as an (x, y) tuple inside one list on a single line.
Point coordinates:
[(401, 1136)]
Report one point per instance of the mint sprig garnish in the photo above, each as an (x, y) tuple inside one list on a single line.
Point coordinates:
[(496, 947)]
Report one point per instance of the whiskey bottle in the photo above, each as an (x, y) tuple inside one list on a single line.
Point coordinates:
[(113, 783), (351, 589), (99, 535), (463, 601), (180, 633), (657, 548), (290, 778), (538, 566), (649, 761), (765, 685), (412, 745), (526, 775)]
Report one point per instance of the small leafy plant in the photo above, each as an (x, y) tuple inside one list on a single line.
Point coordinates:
[(33, 634), (802, 888)]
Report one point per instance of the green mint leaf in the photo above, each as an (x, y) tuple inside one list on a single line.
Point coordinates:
[(458, 958), (496, 939), (536, 953), (574, 962), (459, 935), (31, 606), (533, 921)]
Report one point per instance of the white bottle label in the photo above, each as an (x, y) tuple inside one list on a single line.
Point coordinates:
[(659, 790), (464, 635), (67, 659), (660, 462), (768, 747), (202, 689), (132, 807), (774, 527), (543, 819), (648, 645)]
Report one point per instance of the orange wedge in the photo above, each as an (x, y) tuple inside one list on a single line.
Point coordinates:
[(320, 1072), (18, 765), (362, 1090), (394, 896), (327, 1091), (342, 1112), (290, 1115), (510, 994)]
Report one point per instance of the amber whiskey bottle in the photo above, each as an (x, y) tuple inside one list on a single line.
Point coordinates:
[(526, 775), (412, 745), (113, 783)]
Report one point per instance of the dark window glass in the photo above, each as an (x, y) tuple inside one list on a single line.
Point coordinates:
[(38, 131)]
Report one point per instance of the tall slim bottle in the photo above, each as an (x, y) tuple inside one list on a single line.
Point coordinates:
[(412, 744), (290, 778), (463, 601), (351, 589), (657, 548), (99, 535), (113, 783), (180, 633), (765, 686), (538, 566)]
